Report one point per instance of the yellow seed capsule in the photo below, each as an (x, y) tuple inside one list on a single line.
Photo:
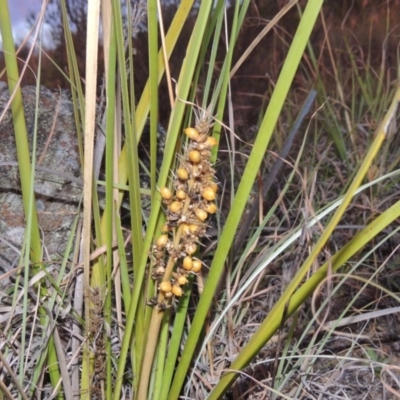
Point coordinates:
[(162, 241), (208, 193), (192, 133), (187, 263), (194, 156), (181, 194), (201, 214), (166, 194), (190, 248), (177, 290), (182, 174), (182, 280), (213, 186), (175, 206), (194, 228), (211, 141), (211, 208), (166, 286), (185, 229), (165, 228), (169, 294), (196, 266)]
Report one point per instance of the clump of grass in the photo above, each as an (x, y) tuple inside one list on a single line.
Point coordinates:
[(131, 348)]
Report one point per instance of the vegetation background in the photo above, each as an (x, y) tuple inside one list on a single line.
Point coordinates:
[(298, 295)]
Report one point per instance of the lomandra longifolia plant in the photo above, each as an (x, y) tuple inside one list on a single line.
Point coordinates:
[(187, 206)]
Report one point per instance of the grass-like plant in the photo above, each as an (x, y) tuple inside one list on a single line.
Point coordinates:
[(147, 308)]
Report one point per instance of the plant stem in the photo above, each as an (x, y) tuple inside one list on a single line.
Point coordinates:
[(156, 319)]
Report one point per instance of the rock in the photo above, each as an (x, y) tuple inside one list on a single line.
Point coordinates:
[(57, 179)]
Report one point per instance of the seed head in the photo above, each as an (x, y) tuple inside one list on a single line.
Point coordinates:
[(190, 202)]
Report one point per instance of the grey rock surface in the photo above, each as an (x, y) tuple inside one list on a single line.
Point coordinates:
[(57, 175)]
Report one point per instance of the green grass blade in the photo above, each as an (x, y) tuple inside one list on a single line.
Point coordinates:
[(175, 342), (153, 74), (111, 226), (21, 135), (74, 78)]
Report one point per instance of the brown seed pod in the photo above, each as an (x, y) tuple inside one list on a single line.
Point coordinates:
[(183, 174), (160, 270), (201, 214), (196, 171), (187, 263), (192, 133), (208, 193), (205, 154), (211, 208), (158, 253), (166, 194), (162, 306), (194, 156), (166, 287), (152, 302), (196, 266), (177, 290)]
